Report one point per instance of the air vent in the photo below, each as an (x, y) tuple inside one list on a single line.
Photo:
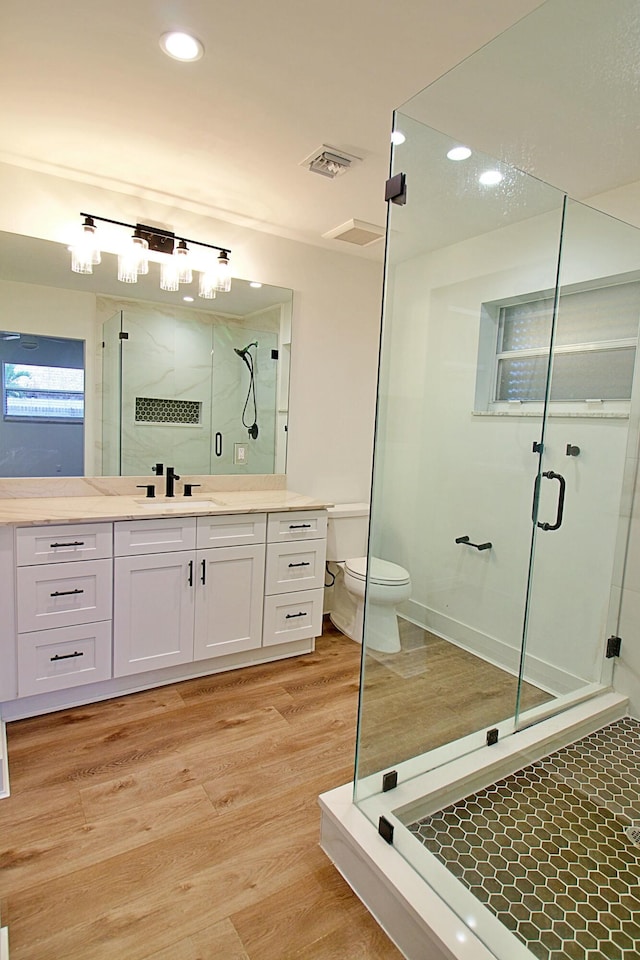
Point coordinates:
[(356, 231), (329, 162)]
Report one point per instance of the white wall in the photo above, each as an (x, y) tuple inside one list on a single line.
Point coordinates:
[(336, 309), (443, 472)]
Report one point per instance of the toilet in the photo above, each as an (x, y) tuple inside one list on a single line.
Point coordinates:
[(389, 584)]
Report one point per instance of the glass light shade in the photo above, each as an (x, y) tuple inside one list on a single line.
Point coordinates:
[(169, 275), (128, 267), (85, 253), (81, 260), (183, 263), (207, 285), (140, 248), (223, 273)]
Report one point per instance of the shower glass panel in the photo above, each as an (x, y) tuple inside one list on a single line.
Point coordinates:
[(454, 466), (503, 471), (580, 540), (204, 392), (166, 392), (111, 394)]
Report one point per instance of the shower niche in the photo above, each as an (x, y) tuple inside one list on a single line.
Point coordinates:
[(205, 391)]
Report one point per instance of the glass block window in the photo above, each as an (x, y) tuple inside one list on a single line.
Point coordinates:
[(36, 392), (157, 410), (594, 346)]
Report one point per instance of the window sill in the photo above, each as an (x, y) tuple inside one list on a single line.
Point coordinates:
[(567, 415)]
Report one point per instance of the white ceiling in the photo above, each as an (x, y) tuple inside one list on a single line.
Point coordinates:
[(88, 95)]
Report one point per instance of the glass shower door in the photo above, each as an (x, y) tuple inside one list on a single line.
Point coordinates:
[(581, 522)]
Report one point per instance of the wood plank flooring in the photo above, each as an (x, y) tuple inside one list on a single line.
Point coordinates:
[(182, 823)]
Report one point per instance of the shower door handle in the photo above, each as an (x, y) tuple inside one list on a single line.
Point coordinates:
[(550, 475), (218, 444)]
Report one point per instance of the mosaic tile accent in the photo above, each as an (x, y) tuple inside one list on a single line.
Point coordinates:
[(153, 409), (546, 849)]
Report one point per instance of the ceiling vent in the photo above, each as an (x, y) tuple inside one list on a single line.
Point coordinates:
[(356, 231), (329, 162)]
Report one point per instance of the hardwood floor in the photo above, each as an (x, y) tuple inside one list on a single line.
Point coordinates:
[(182, 823)]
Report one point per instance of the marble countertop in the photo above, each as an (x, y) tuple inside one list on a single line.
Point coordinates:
[(49, 510)]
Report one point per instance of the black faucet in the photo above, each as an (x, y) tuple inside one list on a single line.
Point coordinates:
[(172, 476)]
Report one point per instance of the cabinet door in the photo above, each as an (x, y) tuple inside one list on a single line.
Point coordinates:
[(153, 612), (229, 600)]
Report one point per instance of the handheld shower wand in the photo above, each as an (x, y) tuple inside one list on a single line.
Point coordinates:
[(245, 355)]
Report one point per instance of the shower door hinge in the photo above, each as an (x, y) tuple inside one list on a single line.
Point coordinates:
[(395, 189), (613, 647), (389, 780), (537, 446), (492, 736), (385, 829), (123, 335)]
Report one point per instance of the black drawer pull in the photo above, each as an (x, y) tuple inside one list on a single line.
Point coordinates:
[(291, 616), (65, 593), (66, 656), (75, 543), (299, 526), (303, 563)]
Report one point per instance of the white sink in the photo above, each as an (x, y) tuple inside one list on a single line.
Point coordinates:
[(184, 504)]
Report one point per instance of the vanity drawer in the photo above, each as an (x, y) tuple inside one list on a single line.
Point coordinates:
[(295, 566), (293, 616), (161, 535), (298, 525), (52, 595), (231, 530), (66, 657), (63, 543)]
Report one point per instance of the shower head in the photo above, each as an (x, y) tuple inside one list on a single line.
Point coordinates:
[(241, 353)]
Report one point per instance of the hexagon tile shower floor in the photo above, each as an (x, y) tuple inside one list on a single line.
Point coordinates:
[(554, 849)]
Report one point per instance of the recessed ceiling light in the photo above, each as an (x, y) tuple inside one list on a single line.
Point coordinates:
[(459, 153), (255, 284), (397, 137), (490, 178), (188, 299), (181, 46)]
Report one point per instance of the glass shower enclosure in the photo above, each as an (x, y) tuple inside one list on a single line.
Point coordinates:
[(506, 445), (205, 392)]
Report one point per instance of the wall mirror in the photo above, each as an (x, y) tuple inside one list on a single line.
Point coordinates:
[(199, 384)]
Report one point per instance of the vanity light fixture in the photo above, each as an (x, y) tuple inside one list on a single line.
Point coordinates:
[(173, 253), (181, 46)]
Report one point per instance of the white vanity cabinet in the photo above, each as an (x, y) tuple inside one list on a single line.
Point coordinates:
[(294, 578), (63, 606), (176, 601)]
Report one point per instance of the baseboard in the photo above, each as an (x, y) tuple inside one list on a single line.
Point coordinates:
[(4, 764), (544, 675)]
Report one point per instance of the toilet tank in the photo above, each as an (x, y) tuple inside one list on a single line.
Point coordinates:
[(347, 529)]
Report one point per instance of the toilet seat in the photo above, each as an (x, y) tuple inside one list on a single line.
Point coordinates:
[(381, 571)]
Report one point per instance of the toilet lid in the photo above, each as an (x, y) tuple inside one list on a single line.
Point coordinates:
[(381, 571)]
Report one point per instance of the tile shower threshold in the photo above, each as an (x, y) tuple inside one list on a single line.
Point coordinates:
[(423, 907)]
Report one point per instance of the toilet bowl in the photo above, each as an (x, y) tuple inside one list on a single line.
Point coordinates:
[(389, 584)]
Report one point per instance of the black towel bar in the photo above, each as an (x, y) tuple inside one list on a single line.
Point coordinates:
[(478, 546)]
